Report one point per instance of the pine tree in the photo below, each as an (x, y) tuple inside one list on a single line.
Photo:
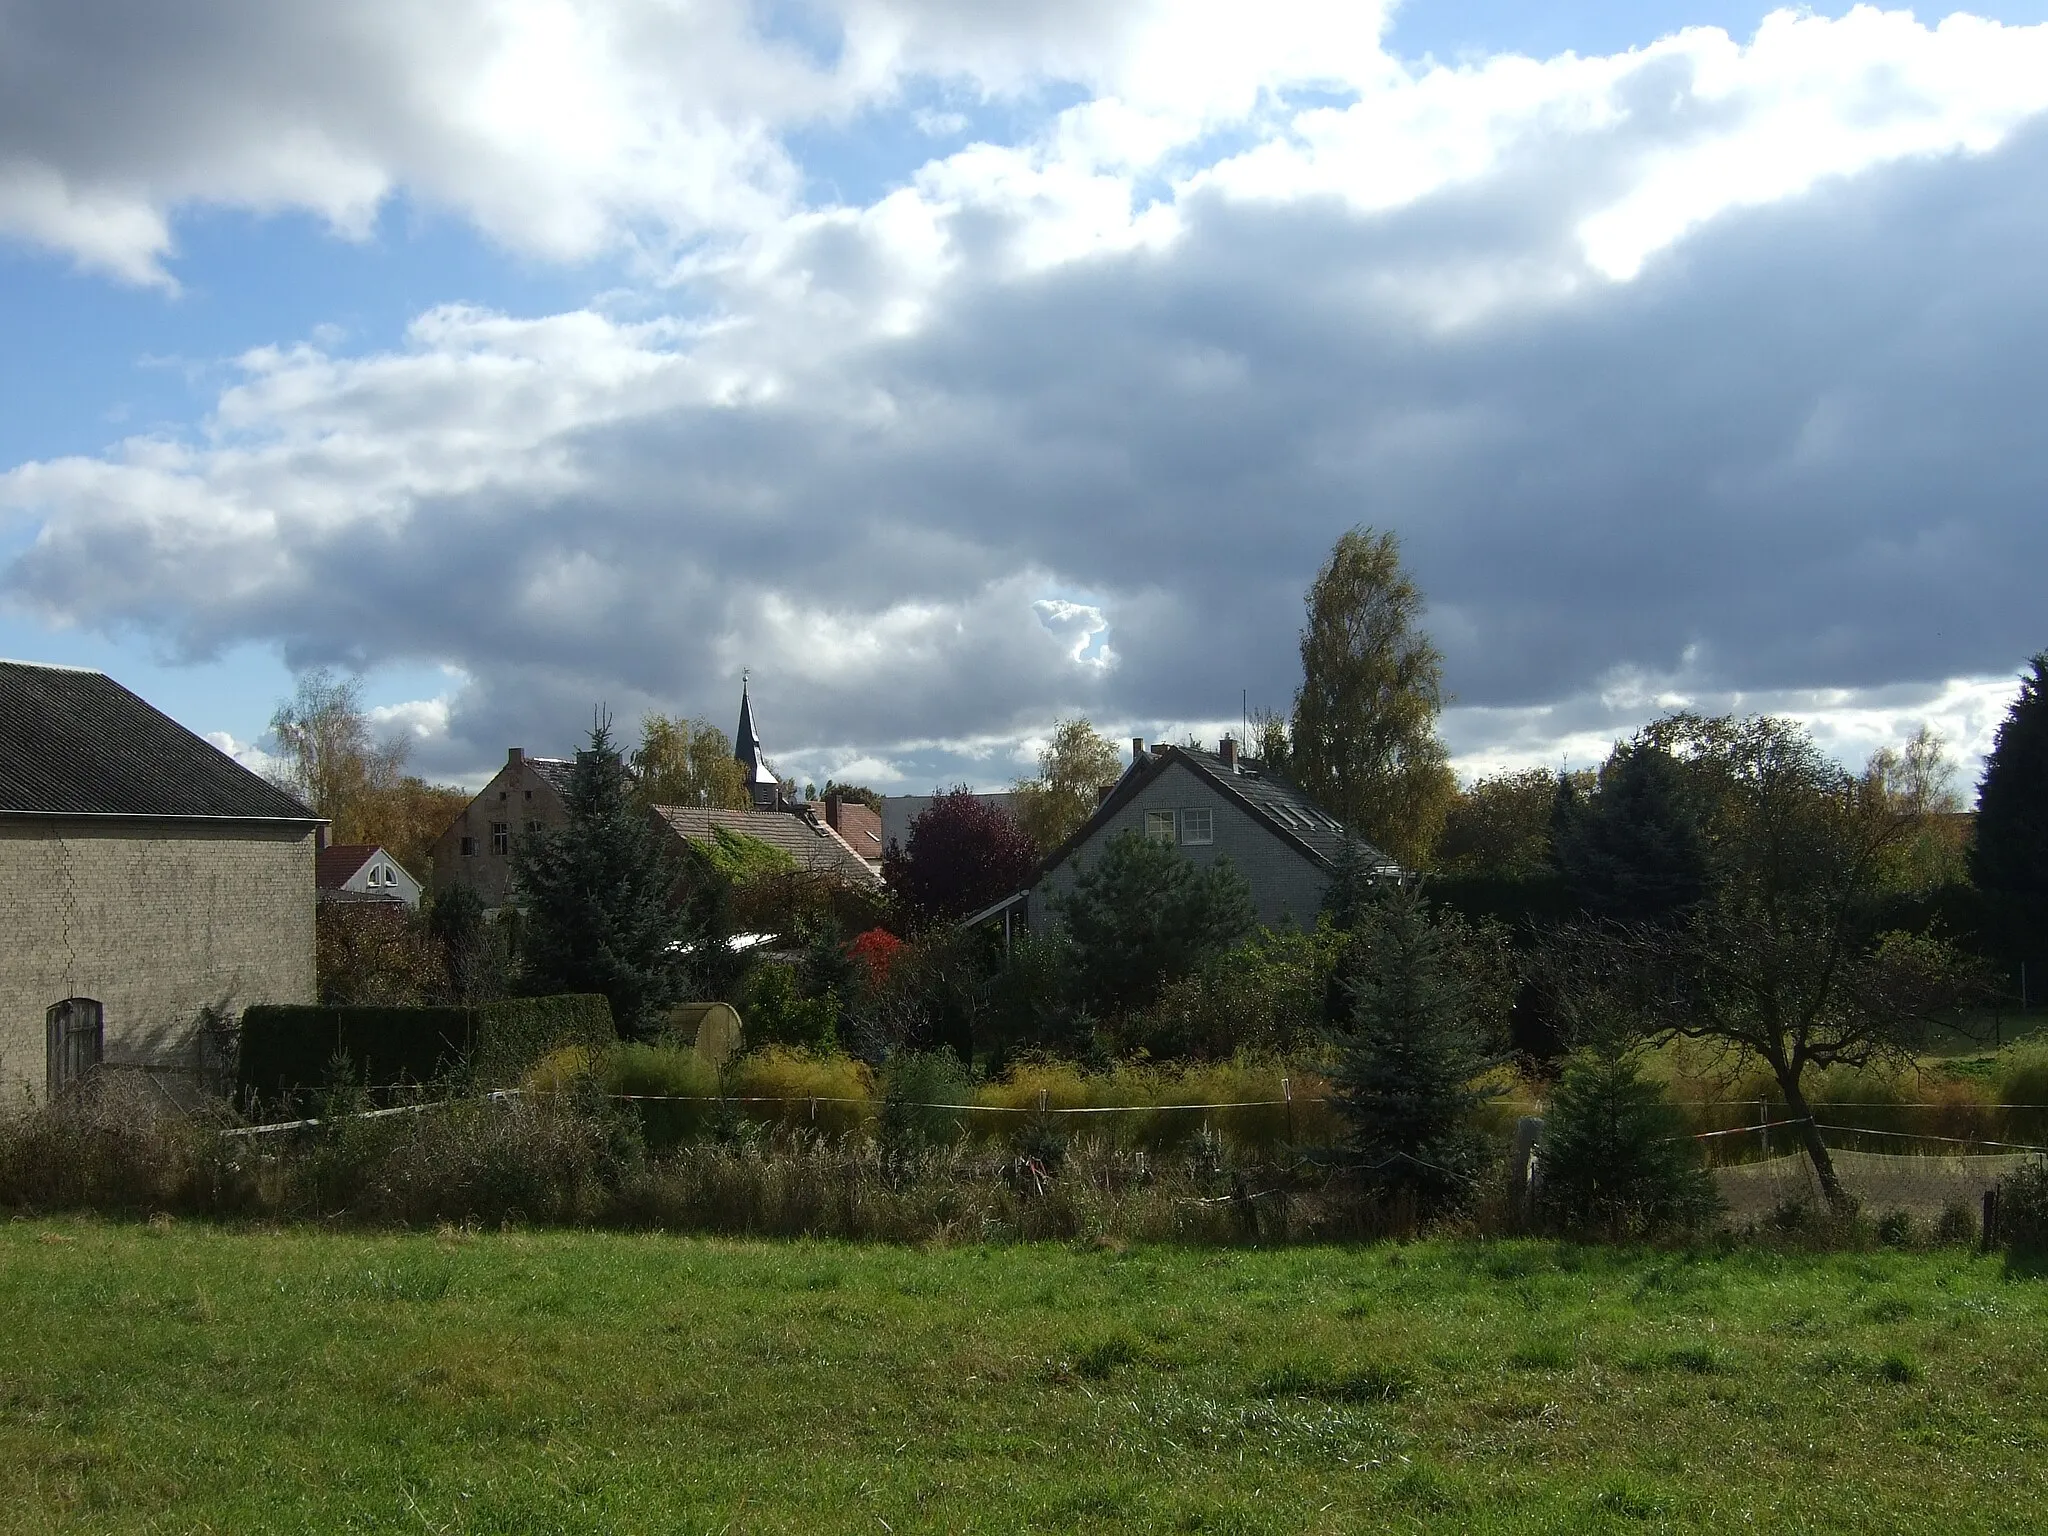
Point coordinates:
[(599, 897), (2011, 852), (1406, 1058), (1615, 1159), (1144, 913)]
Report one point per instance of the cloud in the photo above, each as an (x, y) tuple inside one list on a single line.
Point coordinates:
[(1706, 371)]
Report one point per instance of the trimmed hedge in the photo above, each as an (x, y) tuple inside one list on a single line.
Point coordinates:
[(512, 1035), (287, 1052)]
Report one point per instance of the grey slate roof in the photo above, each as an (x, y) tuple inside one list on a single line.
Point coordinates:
[(554, 772), (1273, 801), (75, 742), (812, 845)]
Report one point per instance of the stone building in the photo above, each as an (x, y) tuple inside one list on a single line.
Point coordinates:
[(524, 796), (1211, 805), (148, 884)]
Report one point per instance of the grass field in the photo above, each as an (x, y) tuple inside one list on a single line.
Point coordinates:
[(194, 1378)]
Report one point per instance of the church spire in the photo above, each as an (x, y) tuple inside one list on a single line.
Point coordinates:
[(763, 787)]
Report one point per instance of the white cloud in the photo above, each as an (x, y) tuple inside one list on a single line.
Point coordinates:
[(1158, 350)]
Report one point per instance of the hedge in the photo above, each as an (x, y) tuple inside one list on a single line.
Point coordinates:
[(287, 1052), (511, 1036)]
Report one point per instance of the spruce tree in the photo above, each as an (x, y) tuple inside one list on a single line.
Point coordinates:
[(1614, 1159), (599, 897), (2011, 852), (1634, 852), (1405, 1060)]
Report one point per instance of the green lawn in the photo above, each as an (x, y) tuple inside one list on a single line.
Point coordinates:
[(201, 1379)]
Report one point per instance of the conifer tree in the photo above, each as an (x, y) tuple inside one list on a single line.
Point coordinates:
[(599, 897), (1615, 1159), (1635, 851), (1418, 1035), (2011, 852), (1143, 913)]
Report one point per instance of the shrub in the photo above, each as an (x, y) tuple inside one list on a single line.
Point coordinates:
[(671, 1092), (2022, 1078), (914, 1081), (1614, 1156), (2023, 1209), (829, 1092), (774, 1012)]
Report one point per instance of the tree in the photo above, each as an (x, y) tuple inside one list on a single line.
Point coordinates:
[(1500, 827), (1782, 958), (1424, 1015), (1615, 1158), (373, 954), (859, 794), (1918, 784), (1075, 764), (599, 897), (472, 949), (2011, 852), (1364, 742), (1143, 914), (963, 853), (687, 762), (359, 784), (1636, 850)]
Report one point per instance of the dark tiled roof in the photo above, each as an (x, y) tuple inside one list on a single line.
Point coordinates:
[(337, 864), (812, 846), (1276, 803), (554, 772), (74, 742)]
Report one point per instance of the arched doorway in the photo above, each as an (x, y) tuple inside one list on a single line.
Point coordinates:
[(77, 1038)]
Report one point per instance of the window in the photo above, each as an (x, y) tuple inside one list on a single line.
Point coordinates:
[(501, 837), (529, 794), (1198, 826), (469, 847), (533, 826), (1159, 824)]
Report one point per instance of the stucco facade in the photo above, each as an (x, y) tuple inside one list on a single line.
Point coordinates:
[(156, 919), (1285, 882)]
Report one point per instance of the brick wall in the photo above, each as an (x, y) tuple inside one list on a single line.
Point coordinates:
[(154, 919), (1284, 882)]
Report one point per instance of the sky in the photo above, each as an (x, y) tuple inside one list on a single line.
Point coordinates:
[(954, 369)]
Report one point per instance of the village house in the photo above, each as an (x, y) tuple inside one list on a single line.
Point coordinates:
[(363, 872), (1210, 805), (150, 886), (529, 795)]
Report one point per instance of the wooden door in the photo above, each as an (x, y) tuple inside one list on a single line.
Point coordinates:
[(77, 1039)]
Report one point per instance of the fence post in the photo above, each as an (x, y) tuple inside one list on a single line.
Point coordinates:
[(1990, 1232)]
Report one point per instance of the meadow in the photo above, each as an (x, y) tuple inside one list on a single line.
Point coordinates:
[(181, 1376)]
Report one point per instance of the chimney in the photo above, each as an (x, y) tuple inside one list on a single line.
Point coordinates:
[(1227, 749), (1137, 750), (514, 756)]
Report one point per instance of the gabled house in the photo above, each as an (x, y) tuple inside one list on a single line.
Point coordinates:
[(523, 797), (806, 838), (1211, 805), (363, 872), (150, 886)]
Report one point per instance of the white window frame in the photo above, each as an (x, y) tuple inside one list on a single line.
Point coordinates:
[(1197, 825), (1159, 826)]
